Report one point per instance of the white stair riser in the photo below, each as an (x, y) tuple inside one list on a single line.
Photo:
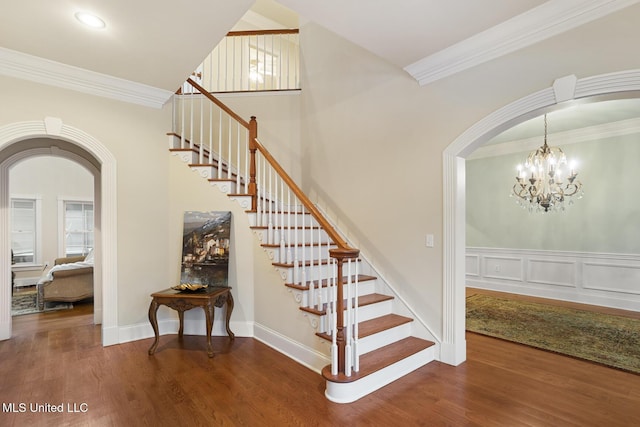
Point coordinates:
[(285, 219), (289, 236), (372, 311), (389, 336), (352, 391), (186, 156), (227, 187), (288, 255), (313, 272), (364, 288)]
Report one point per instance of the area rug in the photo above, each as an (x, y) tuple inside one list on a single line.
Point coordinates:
[(26, 303), (606, 339)]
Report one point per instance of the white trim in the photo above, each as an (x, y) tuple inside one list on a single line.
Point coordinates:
[(304, 355), (27, 67), (590, 133), (37, 258), (584, 277), (106, 254), (547, 20), (610, 86)]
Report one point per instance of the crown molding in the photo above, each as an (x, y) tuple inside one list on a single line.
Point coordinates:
[(591, 133), (547, 20), (28, 67)]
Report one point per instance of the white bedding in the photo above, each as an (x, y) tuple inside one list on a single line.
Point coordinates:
[(47, 277)]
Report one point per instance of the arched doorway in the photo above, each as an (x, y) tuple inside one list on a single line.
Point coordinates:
[(564, 90), (20, 140)]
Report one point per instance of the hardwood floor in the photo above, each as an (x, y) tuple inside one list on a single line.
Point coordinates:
[(57, 358)]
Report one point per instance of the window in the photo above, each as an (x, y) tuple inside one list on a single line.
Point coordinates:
[(25, 229), (78, 228)]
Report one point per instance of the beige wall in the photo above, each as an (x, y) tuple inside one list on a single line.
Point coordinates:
[(135, 136), (373, 139), (370, 149)]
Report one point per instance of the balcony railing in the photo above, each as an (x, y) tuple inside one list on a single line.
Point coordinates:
[(251, 61)]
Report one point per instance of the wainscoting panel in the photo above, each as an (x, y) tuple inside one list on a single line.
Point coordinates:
[(612, 277), (611, 280), (552, 272), (503, 267)]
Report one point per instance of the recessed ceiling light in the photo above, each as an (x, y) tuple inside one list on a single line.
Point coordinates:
[(90, 20)]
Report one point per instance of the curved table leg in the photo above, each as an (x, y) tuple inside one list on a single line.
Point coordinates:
[(208, 311), (229, 311), (153, 319), (181, 317)]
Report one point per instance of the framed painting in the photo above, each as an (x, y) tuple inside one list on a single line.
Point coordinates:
[(206, 244)]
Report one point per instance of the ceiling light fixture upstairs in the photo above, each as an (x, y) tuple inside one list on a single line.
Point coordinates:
[(90, 20), (539, 184)]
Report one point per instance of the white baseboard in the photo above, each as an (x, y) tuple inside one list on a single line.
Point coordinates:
[(306, 356)]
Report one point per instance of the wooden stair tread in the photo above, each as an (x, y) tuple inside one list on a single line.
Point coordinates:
[(373, 326), (363, 301), (325, 282), (381, 358)]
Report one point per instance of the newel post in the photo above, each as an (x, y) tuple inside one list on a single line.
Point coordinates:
[(341, 255), (253, 146)]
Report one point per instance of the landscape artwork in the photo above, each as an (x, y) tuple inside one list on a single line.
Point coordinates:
[(206, 245)]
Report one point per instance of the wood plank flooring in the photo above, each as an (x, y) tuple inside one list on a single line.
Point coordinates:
[(57, 358)]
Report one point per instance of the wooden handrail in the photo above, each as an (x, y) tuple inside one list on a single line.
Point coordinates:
[(215, 100), (337, 239), (262, 32), (342, 253)]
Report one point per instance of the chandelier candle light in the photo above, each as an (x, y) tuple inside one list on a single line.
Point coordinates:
[(539, 184)]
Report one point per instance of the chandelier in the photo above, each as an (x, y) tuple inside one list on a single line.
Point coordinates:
[(540, 183)]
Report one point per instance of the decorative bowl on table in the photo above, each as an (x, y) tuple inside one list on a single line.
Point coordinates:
[(189, 287)]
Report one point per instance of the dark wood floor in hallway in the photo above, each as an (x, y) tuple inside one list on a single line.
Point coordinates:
[(57, 358)]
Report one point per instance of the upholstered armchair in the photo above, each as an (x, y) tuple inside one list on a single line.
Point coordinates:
[(70, 280)]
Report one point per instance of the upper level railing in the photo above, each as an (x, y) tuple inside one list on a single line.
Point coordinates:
[(250, 61), (228, 146)]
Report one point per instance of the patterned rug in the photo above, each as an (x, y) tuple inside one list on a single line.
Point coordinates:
[(26, 303), (606, 339)]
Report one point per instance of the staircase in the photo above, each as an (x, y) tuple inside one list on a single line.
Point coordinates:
[(371, 335)]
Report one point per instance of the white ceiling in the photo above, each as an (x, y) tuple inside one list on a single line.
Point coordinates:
[(149, 47)]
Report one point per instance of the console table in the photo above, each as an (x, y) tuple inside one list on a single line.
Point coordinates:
[(182, 301)]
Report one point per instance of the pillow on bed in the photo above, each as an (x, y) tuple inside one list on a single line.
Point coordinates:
[(89, 258)]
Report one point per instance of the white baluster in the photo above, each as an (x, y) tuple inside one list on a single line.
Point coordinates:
[(348, 356), (259, 221), (270, 223), (211, 135), (334, 324), (182, 120), (247, 163), (220, 144), (304, 258), (264, 193), (296, 262), (238, 152), (229, 155), (276, 217), (312, 276), (356, 355), (289, 255), (201, 139), (191, 120)]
